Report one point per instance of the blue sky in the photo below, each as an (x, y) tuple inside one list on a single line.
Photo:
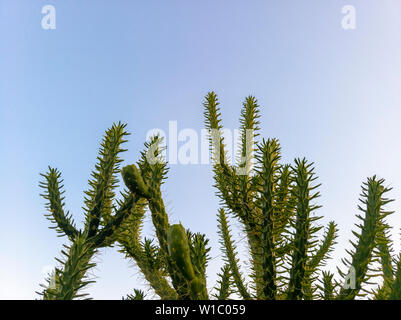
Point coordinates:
[(329, 94)]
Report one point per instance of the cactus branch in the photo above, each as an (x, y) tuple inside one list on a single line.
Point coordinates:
[(230, 254), (373, 201), (303, 192), (64, 224)]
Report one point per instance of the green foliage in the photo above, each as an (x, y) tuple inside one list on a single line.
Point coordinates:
[(138, 295), (175, 268), (68, 281), (318, 260), (180, 254), (274, 203), (304, 234), (384, 252), (372, 206), (230, 254), (100, 223), (328, 287), (224, 284), (270, 156), (133, 180)]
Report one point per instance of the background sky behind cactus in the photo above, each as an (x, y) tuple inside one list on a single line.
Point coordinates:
[(329, 94)]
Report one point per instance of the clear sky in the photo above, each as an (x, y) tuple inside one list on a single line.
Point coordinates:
[(329, 94)]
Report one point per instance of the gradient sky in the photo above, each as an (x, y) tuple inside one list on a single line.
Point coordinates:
[(329, 94)]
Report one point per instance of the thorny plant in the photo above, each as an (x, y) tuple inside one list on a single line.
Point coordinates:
[(275, 203)]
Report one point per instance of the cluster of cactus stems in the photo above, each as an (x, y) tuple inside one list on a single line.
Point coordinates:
[(275, 204)]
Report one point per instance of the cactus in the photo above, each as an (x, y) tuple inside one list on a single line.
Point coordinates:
[(100, 224), (133, 180), (180, 256), (138, 295), (224, 287), (180, 253), (275, 203), (371, 235), (186, 268)]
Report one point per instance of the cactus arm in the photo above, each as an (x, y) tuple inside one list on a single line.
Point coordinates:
[(161, 224), (146, 182), (98, 200), (213, 123), (150, 175), (71, 279), (224, 284), (322, 254), (133, 180), (180, 253), (328, 286), (225, 177), (131, 246), (199, 253), (138, 295), (235, 190), (319, 258), (372, 198), (178, 249), (104, 237), (154, 276), (283, 206), (303, 193), (283, 215), (249, 128), (384, 252), (64, 224), (270, 155), (231, 255), (160, 219)]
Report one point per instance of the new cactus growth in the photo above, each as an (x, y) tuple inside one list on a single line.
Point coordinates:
[(133, 180), (178, 250), (180, 254)]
